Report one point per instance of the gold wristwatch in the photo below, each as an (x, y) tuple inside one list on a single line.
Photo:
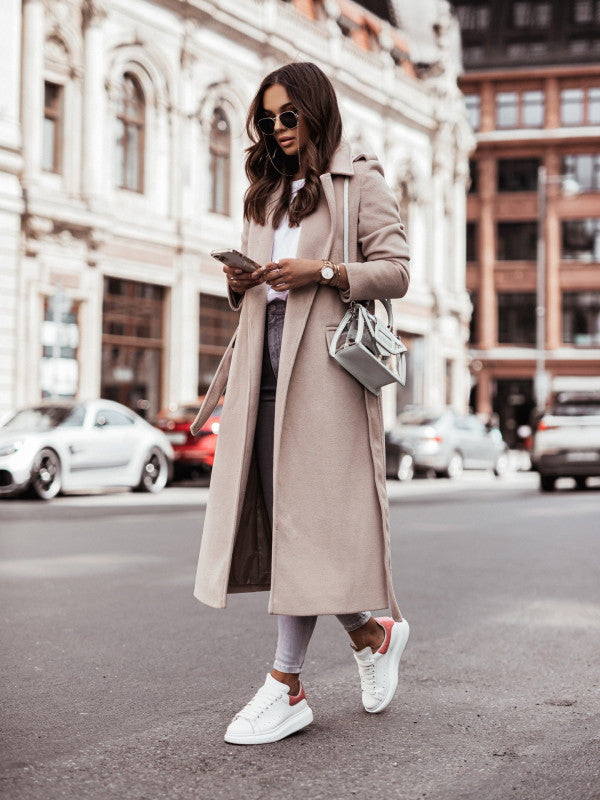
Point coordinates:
[(327, 271)]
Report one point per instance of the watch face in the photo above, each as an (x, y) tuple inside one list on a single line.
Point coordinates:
[(327, 273)]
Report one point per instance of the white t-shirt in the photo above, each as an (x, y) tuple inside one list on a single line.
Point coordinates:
[(285, 242)]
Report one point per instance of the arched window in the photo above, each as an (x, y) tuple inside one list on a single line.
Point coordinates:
[(220, 158), (131, 114)]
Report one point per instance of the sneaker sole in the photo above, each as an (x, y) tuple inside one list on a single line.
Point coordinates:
[(292, 724), (398, 642)]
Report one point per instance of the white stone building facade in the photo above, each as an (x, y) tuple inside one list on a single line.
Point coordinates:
[(122, 165)]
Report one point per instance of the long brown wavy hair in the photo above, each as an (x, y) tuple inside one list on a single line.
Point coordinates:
[(315, 101)]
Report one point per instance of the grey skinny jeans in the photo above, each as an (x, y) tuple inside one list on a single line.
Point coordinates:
[(294, 633)]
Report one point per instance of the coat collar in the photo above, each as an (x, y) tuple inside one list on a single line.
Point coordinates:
[(341, 161)]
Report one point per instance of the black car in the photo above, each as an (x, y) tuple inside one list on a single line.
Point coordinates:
[(399, 458)]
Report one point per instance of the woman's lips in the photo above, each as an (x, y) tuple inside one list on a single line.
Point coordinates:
[(286, 141)]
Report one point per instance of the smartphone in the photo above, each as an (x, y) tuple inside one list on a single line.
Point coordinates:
[(233, 258)]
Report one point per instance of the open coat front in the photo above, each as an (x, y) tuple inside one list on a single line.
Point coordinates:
[(328, 551)]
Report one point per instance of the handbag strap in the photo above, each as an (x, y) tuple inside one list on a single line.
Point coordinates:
[(346, 226)]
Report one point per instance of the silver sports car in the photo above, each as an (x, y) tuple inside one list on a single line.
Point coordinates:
[(67, 446)]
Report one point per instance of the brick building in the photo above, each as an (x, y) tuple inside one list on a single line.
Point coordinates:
[(532, 89)]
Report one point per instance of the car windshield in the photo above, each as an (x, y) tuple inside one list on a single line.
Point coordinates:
[(45, 418), (577, 409), (417, 418)]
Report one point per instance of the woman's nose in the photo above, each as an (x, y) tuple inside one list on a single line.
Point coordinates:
[(278, 125)]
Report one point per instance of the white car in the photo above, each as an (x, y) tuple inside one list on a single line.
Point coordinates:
[(57, 447), (567, 441)]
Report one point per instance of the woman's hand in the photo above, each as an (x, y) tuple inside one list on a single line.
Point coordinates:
[(238, 280), (289, 273)]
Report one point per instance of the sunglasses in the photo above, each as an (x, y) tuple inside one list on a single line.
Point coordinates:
[(289, 119)]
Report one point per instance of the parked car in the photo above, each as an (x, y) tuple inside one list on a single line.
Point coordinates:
[(190, 451), (399, 458), (57, 447), (566, 442), (446, 443)]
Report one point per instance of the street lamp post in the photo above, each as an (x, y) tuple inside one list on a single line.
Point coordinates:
[(569, 187)]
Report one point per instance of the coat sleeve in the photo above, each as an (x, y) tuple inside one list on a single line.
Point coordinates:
[(235, 299), (384, 271)]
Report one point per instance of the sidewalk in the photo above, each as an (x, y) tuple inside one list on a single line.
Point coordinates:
[(193, 496)]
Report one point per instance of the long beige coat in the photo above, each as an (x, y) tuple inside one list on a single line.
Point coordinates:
[(328, 552)]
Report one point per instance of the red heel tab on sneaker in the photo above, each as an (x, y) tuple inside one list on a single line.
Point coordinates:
[(300, 696), (387, 623)]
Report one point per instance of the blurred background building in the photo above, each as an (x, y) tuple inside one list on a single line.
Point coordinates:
[(532, 89), (121, 166)]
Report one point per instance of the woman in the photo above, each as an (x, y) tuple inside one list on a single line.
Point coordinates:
[(298, 502)]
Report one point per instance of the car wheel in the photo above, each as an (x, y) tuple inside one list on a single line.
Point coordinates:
[(580, 482), (155, 472), (406, 468), (455, 466), (501, 465), (46, 475), (547, 483)]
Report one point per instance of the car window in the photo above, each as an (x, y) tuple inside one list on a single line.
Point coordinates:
[(42, 418), (577, 410), (106, 417), (75, 419)]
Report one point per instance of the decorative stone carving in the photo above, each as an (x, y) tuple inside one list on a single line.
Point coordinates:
[(93, 12), (38, 227)]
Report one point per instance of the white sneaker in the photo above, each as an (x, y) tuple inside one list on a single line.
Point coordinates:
[(271, 715), (379, 671)]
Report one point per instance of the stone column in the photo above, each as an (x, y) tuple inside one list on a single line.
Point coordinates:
[(32, 101), (94, 102), (11, 208)]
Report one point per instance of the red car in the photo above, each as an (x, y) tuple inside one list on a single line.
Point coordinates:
[(190, 452)]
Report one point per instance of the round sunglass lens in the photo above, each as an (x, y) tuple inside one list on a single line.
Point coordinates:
[(289, 119), (267, 125)]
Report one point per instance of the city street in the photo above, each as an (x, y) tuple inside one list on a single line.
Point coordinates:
[(117, 683)]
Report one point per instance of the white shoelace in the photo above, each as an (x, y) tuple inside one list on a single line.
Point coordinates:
[(367, 677), (262, 700)]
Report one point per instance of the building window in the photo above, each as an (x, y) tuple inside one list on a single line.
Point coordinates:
[(217, 325), (517, 241), (516, 317), (220, 157), (581, 318), (585, 169), (473, 105), (586, 11), (581, 239), (507, 109), (473, 18), (132, 344), (593, 106), (131, 116), (59, 375), (52, 132), (532, 110), (471, 241), (474, 298), (531, 14), (473, 177), (571, 106), (517, 174)]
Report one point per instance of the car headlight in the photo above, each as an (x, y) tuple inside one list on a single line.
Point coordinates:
[(9, 449), (215, 427)]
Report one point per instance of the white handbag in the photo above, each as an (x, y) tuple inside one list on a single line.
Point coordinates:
[(362, 344)]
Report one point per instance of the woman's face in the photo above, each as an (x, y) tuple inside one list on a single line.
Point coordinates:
[(291, 140)]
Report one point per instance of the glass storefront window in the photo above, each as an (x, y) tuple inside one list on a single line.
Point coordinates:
[(517, 174), (471, 241), (59, 375), (217, 325), (132, 344), (581, 318), (517, 241), (516, 317), (581, 239), (585, 169), (594, 106)]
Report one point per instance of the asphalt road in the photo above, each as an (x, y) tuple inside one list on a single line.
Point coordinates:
[(116, 683)]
